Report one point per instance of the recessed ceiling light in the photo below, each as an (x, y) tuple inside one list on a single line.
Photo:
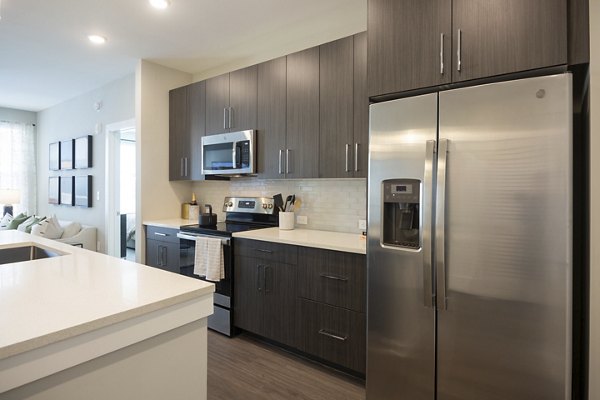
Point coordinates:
[(97, 39), (160, 4)]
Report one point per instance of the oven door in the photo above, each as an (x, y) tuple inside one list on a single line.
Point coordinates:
[(222, 318)]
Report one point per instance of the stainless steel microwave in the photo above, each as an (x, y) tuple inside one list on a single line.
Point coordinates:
[(230, 153)]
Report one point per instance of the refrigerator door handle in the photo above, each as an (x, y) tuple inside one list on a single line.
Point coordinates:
[(440, 229), (428, 290)]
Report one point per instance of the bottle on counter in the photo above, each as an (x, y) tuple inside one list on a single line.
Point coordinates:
[(194, 212)]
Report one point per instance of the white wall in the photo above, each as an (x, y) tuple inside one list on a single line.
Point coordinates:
[(12, 115), (594, 375), (329, 204), (157, 197), (75, 118)]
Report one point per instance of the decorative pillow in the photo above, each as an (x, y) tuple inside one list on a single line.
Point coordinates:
[(7, 219), (23, 225), (18, 220), (29, 227), (50, 228), (71, 230), (35, 229)]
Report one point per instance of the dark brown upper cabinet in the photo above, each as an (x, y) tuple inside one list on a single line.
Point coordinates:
[(302, 138), (409, 44), (418, 44), (361, 107), (271, 118), (186, 128), (231, 101), (336, 122)]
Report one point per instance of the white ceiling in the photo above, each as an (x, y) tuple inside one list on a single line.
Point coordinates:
[(45, 57)]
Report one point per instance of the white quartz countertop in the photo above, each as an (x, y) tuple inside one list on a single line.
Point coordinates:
[(174, 223), (348, 242), (47, 300)]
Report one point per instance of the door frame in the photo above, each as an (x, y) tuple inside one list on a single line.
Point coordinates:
[(112, 141)]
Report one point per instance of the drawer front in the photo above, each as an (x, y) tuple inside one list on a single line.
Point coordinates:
[(333, 277), (333, 334), (162, 234), (268, 251)]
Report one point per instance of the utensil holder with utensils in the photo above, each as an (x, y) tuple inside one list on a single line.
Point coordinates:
[(286, 220)]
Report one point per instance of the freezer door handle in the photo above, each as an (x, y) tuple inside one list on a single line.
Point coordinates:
[(440, 228), (428, 290)]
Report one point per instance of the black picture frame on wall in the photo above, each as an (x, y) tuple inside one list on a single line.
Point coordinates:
[(67, 154), (54, 190), (83, 191), (54, 156), (66, 190), (83, 152)]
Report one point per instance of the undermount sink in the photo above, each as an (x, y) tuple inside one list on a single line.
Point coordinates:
[(25, 253)]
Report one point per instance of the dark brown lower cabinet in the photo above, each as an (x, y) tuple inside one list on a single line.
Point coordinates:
[(162, 248), (332, 333), (265, 296)]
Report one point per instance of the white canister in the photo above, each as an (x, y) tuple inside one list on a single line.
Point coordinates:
[(194, 212), (286, 220)]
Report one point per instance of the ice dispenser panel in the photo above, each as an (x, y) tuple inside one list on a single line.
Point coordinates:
[(401, 202)]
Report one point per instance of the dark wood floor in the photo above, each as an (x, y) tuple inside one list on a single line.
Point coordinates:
[(244, 368)]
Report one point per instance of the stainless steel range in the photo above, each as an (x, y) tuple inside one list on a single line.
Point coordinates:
[(242, 214)]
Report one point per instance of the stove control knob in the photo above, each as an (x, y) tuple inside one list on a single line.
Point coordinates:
[(270, 206), (230, 204), (264, 206)]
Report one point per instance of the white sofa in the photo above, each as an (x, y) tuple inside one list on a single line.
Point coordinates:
[(86, 237)]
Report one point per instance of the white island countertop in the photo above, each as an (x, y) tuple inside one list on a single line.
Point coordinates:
[(339, 241), (50, 301)]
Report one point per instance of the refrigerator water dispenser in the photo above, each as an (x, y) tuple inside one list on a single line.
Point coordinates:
[(401, 201)]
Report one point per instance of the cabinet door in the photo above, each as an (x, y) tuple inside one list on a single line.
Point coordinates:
[(163, 255), (153, 254), (217, 102), (361, 107), (196, 111), (504, 36), (280, 303), (271, 118), (178, 133), (336, 75), (302, 149), (242, 99), (248, 290), (405, 44)]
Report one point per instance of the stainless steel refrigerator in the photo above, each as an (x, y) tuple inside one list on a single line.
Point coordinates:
[(470, 243)]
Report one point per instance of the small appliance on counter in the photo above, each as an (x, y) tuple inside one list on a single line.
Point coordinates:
[(207, 218), (241, 214)]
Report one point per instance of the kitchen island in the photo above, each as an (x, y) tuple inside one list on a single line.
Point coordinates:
[(86, 325)]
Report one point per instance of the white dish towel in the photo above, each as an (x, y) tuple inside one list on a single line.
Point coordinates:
[(208, 260)]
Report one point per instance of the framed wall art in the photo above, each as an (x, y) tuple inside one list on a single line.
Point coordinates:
[(67, 151), (66, 190), (53, 190), (54, 156), (83, 152), (83, 191)]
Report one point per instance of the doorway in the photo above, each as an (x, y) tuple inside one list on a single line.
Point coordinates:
[(121, 190)]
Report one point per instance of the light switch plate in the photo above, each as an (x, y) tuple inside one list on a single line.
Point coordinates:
[(302, 220), (362, 224)]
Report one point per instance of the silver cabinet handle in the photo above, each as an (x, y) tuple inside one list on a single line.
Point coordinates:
[(333, 277), (224, 117), (347, 149), (428, 290), (331, 335), (186, 166), (280, 162), (181, 168), (264, 251), (230, 117), (356, 157), (459, 43), (287, 161), (442, 54), (161, 234), (440, 218)]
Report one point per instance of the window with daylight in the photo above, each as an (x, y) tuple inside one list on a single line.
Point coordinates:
[(17, 163)]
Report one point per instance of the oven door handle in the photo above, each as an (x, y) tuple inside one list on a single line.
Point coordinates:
[(180, 235)]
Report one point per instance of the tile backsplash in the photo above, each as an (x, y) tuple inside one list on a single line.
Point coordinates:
[(329, 204)]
